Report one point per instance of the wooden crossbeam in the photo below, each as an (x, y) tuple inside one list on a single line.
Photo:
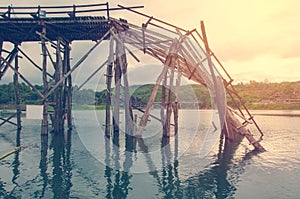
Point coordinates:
[(8, 120)]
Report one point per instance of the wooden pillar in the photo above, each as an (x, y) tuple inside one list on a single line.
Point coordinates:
[(69, 88), (1, 46), (169, 105), (58, 108), (116, 105), (16, 88), (163, 101), (175, 105), (129, 125), (108, 87), (44, 130)]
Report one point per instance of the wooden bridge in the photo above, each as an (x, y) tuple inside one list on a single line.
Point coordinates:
[(183, 54)]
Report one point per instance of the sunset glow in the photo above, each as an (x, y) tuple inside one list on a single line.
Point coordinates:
[(255, 40)]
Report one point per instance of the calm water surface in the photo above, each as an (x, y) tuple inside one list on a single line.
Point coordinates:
[(83, 164)]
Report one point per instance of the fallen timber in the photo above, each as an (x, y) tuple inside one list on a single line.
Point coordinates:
[(183, 52)]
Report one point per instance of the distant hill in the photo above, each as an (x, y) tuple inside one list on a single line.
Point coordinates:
[(256, 95)]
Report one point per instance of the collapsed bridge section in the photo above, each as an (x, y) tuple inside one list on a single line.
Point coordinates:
[(181, 52)]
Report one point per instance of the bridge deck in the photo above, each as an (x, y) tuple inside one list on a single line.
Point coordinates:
[(18, 30)]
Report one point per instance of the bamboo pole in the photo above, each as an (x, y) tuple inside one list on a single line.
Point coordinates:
[(16, 149), (108, 87), (44, 130), (17, 92)]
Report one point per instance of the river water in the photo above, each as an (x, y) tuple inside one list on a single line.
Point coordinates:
[(82, 163)]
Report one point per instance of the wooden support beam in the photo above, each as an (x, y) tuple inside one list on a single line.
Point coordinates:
[(69, 88), (7, 62), (233, 123), (145, 116), (77, 64), (129, 125), (163, 101), (108, 87), (17, 92), (116, 105), (44, 130), (58, 109), (168, 63), (166, 132), (92, 75), (33, 63), (8, 120), (176, 103), (216, 95), (1, 48)]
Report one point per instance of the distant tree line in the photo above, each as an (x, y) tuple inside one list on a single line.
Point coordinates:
[(256, 95)]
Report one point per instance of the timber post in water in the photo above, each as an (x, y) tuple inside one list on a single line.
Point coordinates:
[(182, 52)]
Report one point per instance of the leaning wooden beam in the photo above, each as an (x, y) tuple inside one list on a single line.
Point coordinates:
[(216, 94), (129, 125), (77, 64), (17, 92), (33, 63), (236, 127), (108, 87), (144, 119), (8, 120), (23, 78), (16, 149), (168, 62), (44, 130), (6, 62), (92, 75)]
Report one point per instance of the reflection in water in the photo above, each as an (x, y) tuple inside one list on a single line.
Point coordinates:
[(214, 181), (118, 181), (62, 169), (56, 170), (43, 164)]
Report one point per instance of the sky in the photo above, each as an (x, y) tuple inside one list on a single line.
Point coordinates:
[(255, 40)]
